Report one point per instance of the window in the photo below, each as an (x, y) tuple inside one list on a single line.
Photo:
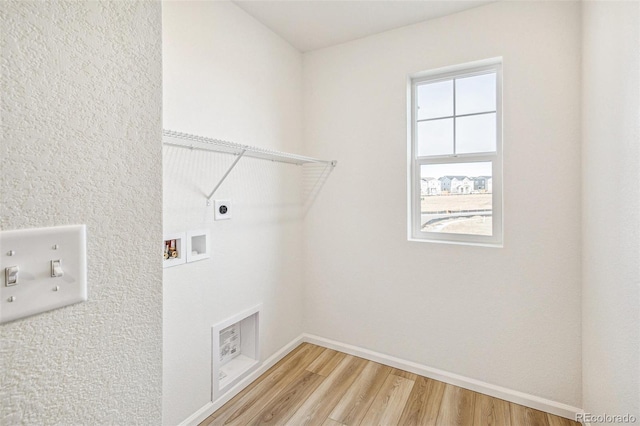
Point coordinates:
[(455, 175)]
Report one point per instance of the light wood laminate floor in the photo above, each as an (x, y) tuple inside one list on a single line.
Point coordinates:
[(318, 386)]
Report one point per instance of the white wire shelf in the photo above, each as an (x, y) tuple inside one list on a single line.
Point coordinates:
[(185, 140), (208, 144)]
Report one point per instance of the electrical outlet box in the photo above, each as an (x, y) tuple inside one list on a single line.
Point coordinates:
[(222, 209)]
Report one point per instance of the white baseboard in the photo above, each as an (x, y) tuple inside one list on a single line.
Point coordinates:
[(500, 392), (211, 407)]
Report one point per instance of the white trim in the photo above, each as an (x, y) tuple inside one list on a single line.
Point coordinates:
[(211, 407), (447, 71), (517, 397), (460, 243)]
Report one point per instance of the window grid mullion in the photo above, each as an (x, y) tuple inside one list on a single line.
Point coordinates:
[(454, 117)]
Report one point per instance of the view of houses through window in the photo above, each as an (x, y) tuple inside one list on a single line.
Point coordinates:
[(456, 198), (456, 151)]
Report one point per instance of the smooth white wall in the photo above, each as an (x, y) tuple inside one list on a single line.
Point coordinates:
[(80, 143), (508, 316), (226, 76), (611, 207)]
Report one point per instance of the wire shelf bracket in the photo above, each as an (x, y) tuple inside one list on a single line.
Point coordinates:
[(185, 140)]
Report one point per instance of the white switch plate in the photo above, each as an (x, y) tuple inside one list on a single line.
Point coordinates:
[(222, 209), (32, 251)]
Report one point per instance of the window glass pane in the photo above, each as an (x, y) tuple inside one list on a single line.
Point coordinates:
[(456, 198), (476, 94), (435, 137), (435, 100), (476, 133)]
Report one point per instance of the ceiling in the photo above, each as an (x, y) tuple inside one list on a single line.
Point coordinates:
[(314, 24)]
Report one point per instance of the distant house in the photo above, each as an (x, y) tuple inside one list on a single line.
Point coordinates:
[(446, 181), (480, 183), (461, 186), (430, 186)]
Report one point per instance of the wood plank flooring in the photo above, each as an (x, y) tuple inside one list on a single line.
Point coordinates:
[(318, 386)]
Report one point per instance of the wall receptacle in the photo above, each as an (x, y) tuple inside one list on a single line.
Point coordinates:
[(222, 209)]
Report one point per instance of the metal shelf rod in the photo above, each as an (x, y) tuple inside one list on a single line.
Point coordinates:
[(225, 176)]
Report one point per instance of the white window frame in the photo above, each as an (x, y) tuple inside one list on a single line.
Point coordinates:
[(415, 232)]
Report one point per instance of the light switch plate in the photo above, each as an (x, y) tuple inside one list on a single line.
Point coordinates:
[(33, 251)]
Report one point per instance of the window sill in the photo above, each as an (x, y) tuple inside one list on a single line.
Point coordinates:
[(458, 243)]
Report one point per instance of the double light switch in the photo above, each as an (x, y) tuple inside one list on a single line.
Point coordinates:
[(36, 280)]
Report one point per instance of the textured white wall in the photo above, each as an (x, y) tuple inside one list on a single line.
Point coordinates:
[(507, 316), (81, 126), (611, 207), (226, 76)]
